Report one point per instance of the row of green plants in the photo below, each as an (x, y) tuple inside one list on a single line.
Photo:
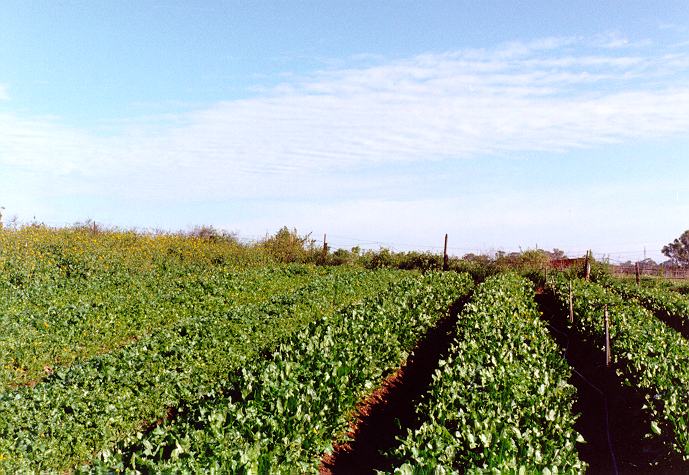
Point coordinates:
[(280, 414), (69, 294), (88, 407), (500, 401), (646, 354), (674, 285), (659, 300), (681, 287), (46, 327)]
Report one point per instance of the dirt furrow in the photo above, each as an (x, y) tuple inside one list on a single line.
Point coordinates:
[(612, 419), (391, 410)]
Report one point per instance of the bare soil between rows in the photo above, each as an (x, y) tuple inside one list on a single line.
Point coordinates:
[(390, 411), (611, 415)]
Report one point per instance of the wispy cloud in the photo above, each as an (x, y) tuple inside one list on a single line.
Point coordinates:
[(674, 27), (554, 94)]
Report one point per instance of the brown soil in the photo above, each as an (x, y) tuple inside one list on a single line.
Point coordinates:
[(390, 411), (612, 419)]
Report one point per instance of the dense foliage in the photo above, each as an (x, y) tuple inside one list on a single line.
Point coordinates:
[(277, 415), (661, 301), (647, 354), (120, 330), (678, 250), (68, 295), (501, 400), (82, 249), (123, 351)]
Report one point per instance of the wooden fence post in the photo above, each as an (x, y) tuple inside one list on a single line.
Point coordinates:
[(571, 303), (587, 266), (325, 246), (607, 338), (446, 259)]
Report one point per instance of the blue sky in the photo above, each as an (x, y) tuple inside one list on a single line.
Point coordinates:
[(505, 124)]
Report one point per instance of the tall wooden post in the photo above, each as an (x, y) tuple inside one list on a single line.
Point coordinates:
[(446, 259), (571, 303), (587, 266), (325, 246), (637, 271), (607, 337)]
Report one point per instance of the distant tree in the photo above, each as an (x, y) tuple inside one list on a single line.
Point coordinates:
[(340, 257), (533, 259), (288, 246), (678, 250), (210, 234)]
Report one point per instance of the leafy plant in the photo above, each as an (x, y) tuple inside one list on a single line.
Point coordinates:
[(673, 305), (86, 408), (278, 415), (500, 402), (646, 353), (678, 250)]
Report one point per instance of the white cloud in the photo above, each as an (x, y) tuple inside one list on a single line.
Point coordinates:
[(674, 27), (554, 94)]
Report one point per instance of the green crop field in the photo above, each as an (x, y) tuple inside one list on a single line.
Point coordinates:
[(131, 353)]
